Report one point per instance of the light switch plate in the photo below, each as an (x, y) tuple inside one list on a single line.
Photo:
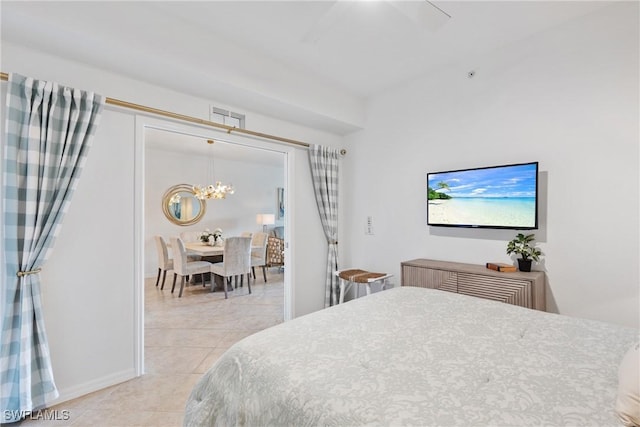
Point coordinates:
[(369, 226)]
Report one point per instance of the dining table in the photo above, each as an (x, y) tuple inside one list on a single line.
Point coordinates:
[(203, 249), (206, 250)]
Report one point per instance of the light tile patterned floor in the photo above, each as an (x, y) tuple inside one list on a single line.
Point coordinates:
[(183, 338)]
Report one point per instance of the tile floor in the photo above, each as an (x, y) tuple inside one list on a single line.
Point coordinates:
[(183, 338)]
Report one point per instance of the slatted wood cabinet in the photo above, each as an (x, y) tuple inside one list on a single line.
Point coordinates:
[(526, 289)]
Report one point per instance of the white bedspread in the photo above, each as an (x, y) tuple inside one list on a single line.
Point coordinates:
[(413, 356)]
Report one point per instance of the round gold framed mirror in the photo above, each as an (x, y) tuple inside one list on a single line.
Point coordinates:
[(181, 206)]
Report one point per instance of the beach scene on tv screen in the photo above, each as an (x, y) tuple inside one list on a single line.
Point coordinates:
[(499, 197)]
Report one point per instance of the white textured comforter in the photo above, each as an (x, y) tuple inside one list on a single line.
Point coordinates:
[(413, 356)]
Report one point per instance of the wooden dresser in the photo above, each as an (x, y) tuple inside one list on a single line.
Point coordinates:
[(517, 288)]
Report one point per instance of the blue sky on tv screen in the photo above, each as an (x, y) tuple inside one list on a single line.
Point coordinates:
[(503, 181)]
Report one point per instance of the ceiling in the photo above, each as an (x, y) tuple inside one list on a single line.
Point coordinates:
[(163, 140), (304, 61)]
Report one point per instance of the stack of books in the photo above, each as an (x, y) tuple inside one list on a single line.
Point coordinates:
[(498, 266)]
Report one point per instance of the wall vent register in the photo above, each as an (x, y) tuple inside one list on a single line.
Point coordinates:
[(226, 117)]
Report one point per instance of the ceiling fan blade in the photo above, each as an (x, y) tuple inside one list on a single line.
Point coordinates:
[(335, 13), (423, 13)]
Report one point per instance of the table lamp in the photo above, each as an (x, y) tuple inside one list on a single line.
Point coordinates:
[(265, 219)]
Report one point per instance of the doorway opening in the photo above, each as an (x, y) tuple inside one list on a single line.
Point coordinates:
[(169, 154)]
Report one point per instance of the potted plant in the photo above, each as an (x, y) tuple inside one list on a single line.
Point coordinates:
[(521, 245), (212, 239), (217, 237), (206, 235)]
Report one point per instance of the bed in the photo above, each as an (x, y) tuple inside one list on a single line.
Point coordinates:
[(415, 356)]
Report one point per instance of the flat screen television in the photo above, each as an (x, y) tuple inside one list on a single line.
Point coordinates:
[(504, 196)]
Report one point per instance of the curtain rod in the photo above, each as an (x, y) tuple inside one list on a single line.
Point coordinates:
[(164, 113)]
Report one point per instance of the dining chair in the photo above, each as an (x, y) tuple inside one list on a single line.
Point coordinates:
[(275, 252), (278, 232), (259, 254), (188, 237), (236, 262), (164, 262), (183, 267)]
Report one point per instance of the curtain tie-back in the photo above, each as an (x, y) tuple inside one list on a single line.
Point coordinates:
[(332, 242), (27, 273)]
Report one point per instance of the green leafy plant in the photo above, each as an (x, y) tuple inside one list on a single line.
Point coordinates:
[(522, 246), (435, 194)]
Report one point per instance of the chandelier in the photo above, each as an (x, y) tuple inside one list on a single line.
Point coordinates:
[(217, 191)]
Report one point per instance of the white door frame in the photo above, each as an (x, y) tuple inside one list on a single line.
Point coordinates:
[(206, 132)]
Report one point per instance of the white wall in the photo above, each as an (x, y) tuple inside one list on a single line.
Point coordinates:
[(255, 185), (89, 281), (567, 98), (89, 276)]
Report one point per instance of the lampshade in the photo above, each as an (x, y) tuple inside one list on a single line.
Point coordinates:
[(266, 219)]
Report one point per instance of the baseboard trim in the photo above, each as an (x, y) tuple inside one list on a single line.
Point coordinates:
[(80, 390)]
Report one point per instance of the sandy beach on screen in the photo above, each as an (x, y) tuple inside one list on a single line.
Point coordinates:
[(500, 212)]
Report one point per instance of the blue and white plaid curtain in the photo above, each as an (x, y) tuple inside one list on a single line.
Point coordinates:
[(324, 173), (48, 134)]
